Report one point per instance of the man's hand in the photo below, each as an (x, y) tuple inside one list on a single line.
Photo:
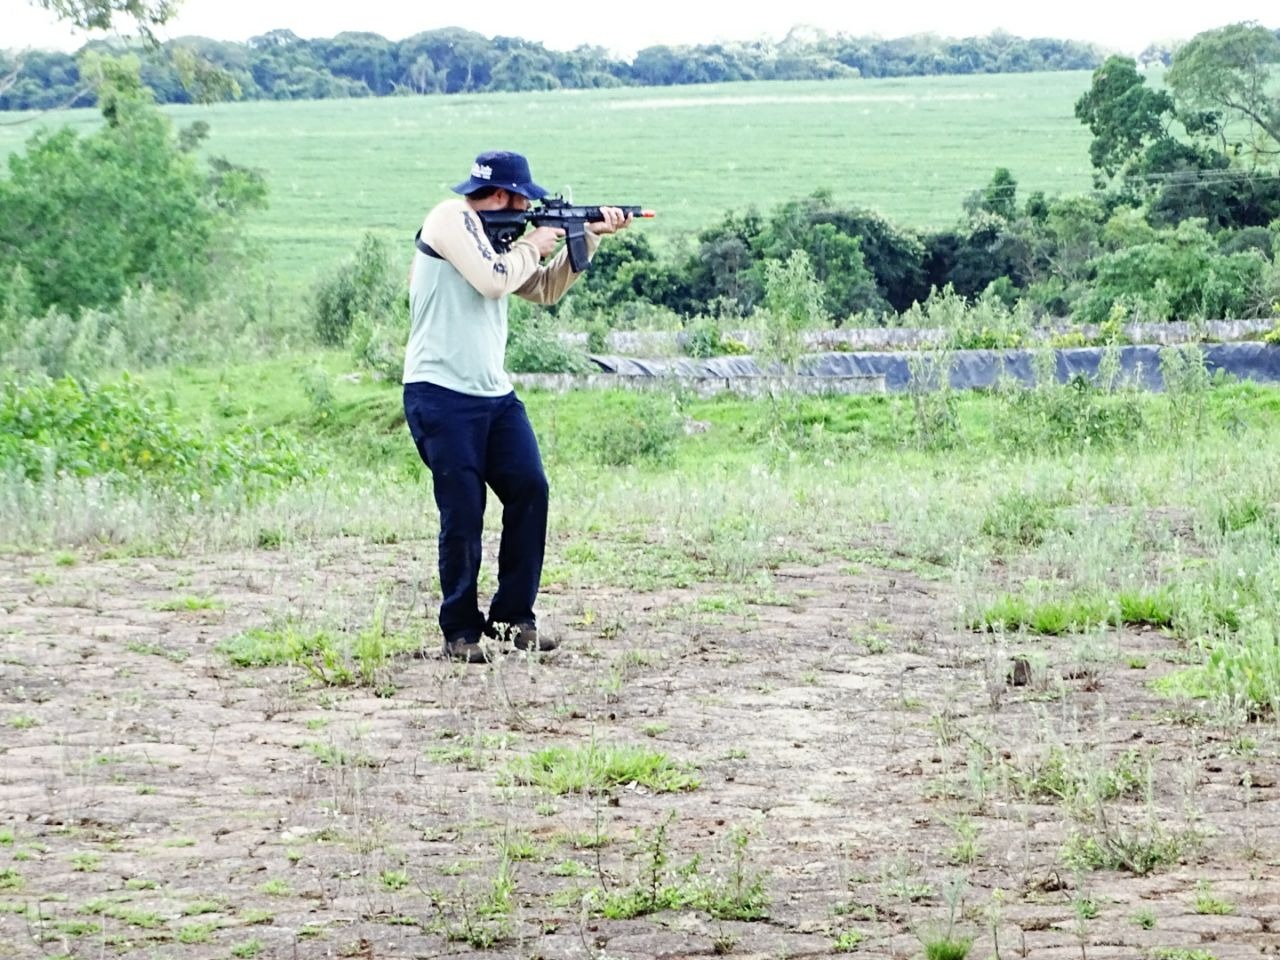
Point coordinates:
[(544, 238), (614, 220)]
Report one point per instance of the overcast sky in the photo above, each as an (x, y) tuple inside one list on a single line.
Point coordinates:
[(1121, 26)]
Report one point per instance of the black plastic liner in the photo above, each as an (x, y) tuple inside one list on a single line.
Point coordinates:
[(970, 369)]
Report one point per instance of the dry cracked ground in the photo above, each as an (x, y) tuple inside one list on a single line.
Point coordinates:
[(848, 770)]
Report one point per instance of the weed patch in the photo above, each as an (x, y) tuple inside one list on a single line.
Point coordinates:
[(1054, 617), (599, 767), (359, 660)]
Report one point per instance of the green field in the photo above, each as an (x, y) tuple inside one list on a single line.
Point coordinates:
[(911, 149)]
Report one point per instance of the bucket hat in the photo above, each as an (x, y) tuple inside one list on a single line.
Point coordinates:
[(501, 168)]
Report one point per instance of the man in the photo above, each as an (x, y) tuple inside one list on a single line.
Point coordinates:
[(470, 429)]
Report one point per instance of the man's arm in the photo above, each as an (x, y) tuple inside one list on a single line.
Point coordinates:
[(454, 231), (552, 282), (548, 284)]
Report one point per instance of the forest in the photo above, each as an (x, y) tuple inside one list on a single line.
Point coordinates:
[(280, 65)]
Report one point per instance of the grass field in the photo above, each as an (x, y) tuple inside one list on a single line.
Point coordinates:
[(910, 148)]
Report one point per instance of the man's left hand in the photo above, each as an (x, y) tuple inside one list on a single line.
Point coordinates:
[(614, 220)]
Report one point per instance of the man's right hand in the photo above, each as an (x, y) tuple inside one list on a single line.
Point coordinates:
[(544, 238)]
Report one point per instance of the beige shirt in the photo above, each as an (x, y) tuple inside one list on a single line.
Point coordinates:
[(458, 304)]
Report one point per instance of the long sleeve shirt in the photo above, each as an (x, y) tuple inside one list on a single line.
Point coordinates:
[(458, 300)]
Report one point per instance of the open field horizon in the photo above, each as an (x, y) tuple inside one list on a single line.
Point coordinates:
[(911, 149)]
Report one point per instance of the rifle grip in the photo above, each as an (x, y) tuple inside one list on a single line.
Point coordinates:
[(575, 238)]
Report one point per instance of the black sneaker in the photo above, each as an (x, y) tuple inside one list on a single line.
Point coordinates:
[(466, 649), (525, 636)]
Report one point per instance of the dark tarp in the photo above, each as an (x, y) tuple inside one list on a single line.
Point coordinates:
[(971, 369)]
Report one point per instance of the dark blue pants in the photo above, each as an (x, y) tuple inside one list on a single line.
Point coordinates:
[(469, 443)]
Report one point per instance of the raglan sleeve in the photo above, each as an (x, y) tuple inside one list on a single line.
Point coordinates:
[(454, 231)]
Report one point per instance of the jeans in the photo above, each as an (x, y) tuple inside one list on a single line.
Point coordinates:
[(469, 443)]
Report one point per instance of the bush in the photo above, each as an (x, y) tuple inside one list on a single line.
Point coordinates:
[(793, 304), (704, 338), (534, 344), (646, 432), (378, 344), (51, 428), (147, 328), (365, 283), (90, 218), (1179, 274), (1058, 416), (986, 323)]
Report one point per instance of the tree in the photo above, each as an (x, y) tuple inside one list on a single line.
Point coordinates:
[(524, 69), (421, 76), (462, 58), (1232, 71), (106, 14), (1123, 114), (1177, 274), (198, 79), (657, 66), (999, 196), (365, 58), (88, 218), (895, 258)]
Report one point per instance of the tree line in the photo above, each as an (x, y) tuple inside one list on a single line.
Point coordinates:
[(1183, 221), (280, 65)]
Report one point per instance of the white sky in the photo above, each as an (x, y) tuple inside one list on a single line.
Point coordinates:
[(1120, 26)]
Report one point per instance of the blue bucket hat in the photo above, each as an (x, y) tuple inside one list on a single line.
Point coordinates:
[(501, 168)]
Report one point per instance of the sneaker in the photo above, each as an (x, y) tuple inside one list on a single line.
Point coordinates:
[(525, 636), (466, 649)]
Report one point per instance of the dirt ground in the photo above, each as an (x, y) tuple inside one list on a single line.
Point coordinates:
[(870, 754)]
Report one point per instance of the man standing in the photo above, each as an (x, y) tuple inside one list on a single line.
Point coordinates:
[(470, 429)]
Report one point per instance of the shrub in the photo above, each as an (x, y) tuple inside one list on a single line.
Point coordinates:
[(985, 323), (377, 343), (90, 218), (364, 283), (534, 344), (1179, 274), (793, 304), (1056, 416), (63, 428), (935, 422), (147, 328), (704, 337), (646, 432)]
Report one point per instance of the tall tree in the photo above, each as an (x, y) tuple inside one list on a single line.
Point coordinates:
[(1232, 72), (108, 14), (1124, 115)]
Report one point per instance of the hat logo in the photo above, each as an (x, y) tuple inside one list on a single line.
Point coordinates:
[(481, 172)]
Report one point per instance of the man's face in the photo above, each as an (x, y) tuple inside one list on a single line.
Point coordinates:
[(516, 201)]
